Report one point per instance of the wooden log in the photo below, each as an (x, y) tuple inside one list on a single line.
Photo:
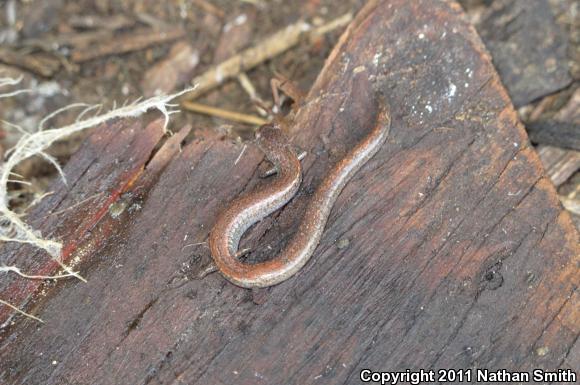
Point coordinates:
[(449, 249)]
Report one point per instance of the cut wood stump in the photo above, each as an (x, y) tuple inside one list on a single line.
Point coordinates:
[(449, 249)]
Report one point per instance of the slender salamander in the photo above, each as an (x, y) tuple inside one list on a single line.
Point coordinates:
[(246, 210)]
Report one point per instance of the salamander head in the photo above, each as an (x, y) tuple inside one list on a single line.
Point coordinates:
[(271, 135)]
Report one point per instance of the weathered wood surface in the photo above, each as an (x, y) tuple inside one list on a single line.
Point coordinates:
[(449, 249), (528, 48), (73, 210)]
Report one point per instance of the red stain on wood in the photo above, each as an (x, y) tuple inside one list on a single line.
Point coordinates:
[(19, 292)]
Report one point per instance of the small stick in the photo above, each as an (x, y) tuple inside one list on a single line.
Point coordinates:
[(248, 86), (240, 156), (44, 65), (268, 48), (252, 93), (209, 8), (75, 205), (333, 24), (20, 311), (128, 42), (224, 114), (16, 270)]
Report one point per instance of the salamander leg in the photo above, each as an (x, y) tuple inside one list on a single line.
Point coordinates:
[(207, 270), (300, 154), (212, 268)]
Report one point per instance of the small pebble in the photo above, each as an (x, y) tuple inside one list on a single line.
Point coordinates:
[(542, 351), (342, 243)]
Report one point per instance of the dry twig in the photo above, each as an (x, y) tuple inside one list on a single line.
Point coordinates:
[(268, 48), (224, 114), (20, 311), (128, 42)]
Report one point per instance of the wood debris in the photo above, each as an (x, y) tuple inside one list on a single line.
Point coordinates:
[(127, 42)]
